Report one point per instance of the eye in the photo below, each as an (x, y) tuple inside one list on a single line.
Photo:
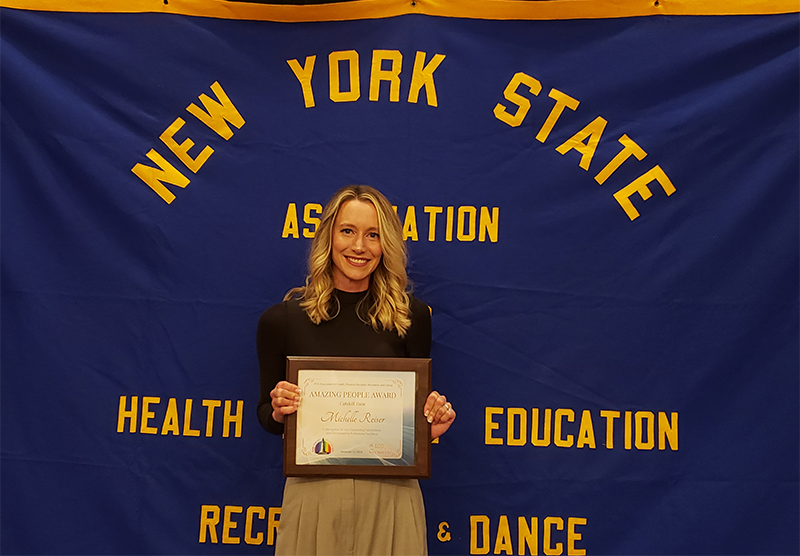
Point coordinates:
[(346, 231), (374, 235)]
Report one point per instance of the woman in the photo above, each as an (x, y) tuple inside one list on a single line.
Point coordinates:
[(354, 304)]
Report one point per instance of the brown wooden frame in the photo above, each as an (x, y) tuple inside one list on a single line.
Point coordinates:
[(421, 469)]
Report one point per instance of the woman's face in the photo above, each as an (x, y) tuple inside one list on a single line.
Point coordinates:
[(356, 246)]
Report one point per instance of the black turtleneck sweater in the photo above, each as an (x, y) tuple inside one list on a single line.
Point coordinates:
[(285, 329)]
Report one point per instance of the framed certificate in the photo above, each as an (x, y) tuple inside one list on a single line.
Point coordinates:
[(358, 416)]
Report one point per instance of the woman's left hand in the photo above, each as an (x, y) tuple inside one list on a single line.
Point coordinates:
[(439, 412)]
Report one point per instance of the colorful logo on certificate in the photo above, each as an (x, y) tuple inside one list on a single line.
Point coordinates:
[(323, 447)]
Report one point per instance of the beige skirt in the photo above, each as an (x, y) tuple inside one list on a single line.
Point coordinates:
[(355, 517)]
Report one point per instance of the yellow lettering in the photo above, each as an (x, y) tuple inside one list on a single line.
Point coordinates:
[(248, 525), (336, 93), (503, 541), (489, 224), (491, 426), (547, 547), (591, 133), (290, 225), (474, 546), (466, 223), (303, 74), (209, 519), (217, 114), (171, 419), (166, 173), (639, 428), (523, 104), (432, 211), (667, 431), (125, 413), (639, 185), (466, 217), (182, 150), (272, 525), (228, 419), (528, 536), (628, 427), (586, 432), (211, 405), (422, 76), (379, 74), (609, 415), (410, 225), (558, 439), (628, 148), (229, 524), (187, 420), (573, 536), (443, 534), (147, 415), (517, 414), (448, 232), (308, 219), (545, 440), (641, 417), (562, 101)]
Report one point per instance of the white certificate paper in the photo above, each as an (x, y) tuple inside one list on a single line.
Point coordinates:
[(355, 417)]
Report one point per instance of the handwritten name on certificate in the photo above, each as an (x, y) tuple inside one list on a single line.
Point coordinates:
[(346, 415)]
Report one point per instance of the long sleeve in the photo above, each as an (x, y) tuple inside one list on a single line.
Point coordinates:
[(418, 337), (271, 341)]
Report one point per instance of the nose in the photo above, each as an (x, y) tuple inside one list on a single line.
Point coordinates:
[(358, 243)]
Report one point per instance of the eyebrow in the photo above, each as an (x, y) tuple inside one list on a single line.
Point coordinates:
[(351, 225)]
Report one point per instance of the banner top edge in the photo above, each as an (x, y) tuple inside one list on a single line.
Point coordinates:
[(376, 9)]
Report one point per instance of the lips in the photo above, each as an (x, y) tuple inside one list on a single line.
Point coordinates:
[(357, 261)]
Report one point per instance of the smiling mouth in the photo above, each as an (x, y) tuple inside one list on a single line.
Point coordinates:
[(357, 261)]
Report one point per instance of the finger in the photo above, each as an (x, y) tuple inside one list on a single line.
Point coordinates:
[(280, 403), (429, 402), (433, 403), (285, 390), (436, 410), (286, 409), (280, 412), (445, 414), (285, 397), (288, 387)]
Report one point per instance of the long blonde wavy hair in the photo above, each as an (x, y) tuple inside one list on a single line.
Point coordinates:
[(388, 284)]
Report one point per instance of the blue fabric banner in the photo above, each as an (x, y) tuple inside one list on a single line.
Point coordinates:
[(602, 214)]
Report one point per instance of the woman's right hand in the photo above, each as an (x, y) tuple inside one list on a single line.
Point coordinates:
[(285, 400)]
